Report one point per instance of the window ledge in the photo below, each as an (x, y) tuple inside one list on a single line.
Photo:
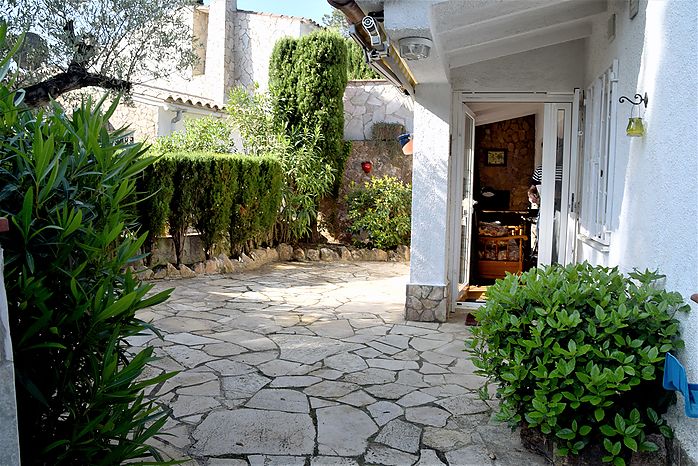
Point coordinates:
[(594, 243)]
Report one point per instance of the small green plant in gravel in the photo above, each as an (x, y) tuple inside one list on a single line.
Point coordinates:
[(577, 353), (380, 211)]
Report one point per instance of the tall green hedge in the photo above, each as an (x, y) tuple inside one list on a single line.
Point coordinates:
[(307, 78), (357, 68), (217, 194)]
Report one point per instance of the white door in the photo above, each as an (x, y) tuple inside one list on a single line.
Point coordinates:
[(576, 151), (555, 192), (461, 187)]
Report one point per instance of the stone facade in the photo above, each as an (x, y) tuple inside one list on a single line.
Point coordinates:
[(9, 440), (233, 46), (426, 303), (141, 118), (255, 36), (518, 137), (367, 102)]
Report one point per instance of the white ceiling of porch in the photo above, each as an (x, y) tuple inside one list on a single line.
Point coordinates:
[(466, 32)]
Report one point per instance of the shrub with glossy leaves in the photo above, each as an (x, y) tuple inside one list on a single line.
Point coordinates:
[(577, 353)]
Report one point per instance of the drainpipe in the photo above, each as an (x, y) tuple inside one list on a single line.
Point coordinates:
[(381, 57)]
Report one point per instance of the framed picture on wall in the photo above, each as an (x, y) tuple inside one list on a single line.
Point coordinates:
[(496, 157)]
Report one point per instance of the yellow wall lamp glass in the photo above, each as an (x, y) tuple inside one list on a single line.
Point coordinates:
[(636, 127)]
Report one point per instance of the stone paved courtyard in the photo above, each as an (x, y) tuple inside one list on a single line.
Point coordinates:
[(313, 364)]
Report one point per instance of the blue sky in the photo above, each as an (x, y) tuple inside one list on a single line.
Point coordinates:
[(313, 9)]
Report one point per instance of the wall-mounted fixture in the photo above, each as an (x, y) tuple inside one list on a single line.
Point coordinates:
[(366, 166), (636, 127), (405, 141), (414, 48)]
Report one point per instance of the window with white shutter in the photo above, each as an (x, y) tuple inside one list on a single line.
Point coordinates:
[(599, 156)]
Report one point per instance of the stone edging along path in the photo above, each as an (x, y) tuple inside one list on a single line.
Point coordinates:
[(259, 257)]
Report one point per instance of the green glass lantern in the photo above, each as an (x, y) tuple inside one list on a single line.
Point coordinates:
[(636, 128)]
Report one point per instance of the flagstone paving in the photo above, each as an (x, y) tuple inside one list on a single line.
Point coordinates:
[(314, 364)]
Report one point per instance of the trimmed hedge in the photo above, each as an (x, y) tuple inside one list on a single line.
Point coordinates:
[(218, 194)]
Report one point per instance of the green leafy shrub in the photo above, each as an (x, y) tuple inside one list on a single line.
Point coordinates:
[(380, 211), (307, 79), (577, 353), (207, 134), (357, 68), (66, 188), (306, 177)]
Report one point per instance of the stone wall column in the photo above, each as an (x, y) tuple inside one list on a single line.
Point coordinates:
[(9, 438), (427, 292)]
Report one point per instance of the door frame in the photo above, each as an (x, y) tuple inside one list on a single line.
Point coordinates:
[(458, 161)]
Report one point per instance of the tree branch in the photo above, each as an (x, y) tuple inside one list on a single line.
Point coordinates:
[(77, 77)]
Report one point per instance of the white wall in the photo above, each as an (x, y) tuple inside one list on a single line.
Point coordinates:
[(429, 248), (656, 177), (558, 68), (372, 101)]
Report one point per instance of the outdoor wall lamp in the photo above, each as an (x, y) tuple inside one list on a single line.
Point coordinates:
[(406, 143), (366, 166), (636, 128), (414, 48)]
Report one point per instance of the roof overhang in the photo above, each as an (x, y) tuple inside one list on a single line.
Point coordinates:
[(467, 32)]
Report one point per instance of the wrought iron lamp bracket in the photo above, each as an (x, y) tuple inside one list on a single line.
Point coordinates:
[(644, 99)]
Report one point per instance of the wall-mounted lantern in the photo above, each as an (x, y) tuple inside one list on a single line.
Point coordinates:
[(366, 166), (636, 127), (406, 143)]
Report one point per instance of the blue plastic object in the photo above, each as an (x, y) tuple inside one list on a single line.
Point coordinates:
[(675, 379)]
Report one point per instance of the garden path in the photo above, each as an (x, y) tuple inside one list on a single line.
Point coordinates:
[(313, 364)]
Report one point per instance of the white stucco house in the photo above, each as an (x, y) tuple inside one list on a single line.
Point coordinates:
[(606, 198), (233, 48)]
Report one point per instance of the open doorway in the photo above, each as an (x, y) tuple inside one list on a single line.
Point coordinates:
[(506, 148)]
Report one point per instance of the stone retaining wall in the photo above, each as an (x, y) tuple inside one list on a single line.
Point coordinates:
[(259, 257), (371, 101)]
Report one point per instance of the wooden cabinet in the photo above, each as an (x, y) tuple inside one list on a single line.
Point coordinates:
[(502, 243)]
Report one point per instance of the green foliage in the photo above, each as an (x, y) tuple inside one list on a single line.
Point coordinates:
[(256, 205), (283, 83), (307, 78), (578, 353), (357, 68), (207, 134), (217, 194), (306, 176), (66, 185), (380, 212), (155, 190)]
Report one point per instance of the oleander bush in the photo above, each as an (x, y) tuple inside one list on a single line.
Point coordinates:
[(577, 353), (306, 176), (380, 213), (66, 186)]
